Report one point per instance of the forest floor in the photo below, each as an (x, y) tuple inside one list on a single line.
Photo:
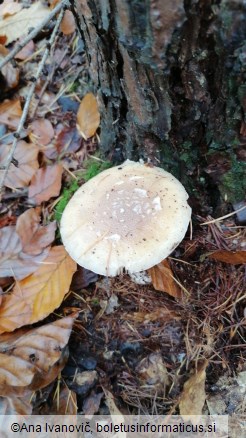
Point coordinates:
[(174, 344)]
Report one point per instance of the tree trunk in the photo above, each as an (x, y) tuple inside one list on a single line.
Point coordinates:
[(169, 77)]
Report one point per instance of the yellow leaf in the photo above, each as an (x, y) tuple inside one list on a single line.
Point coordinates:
[(30, 359), (88, 116), (193, 395), (37, 295)]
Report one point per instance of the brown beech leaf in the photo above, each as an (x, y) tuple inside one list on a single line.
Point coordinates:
[(42, 132), (13, 261), (26, 156), (32, 353), (37, 295), (42, 380), (232, 257), (68, 23), (17, 25), (193, 395), (34, 237), (88, 116), (46, 183), (162, 279), (10, 113)]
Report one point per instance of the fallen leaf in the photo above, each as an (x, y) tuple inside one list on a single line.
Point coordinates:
[(193, 395), (46, 183), (92, 403), (116, 416), (88, 116), (13, 261), (82, 278), (232, 257), (162, 279), (9, 7), (153, 372), (68, 23), (26, 51), (17, 25), (161, 314), (26, 156), (39, 294), (10, 73), (10, 113), (42, 380), (42, 132), (113, 409), (15, 405), (34, 237), (23, 356)]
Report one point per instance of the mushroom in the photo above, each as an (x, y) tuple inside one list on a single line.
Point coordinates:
[(129, 217)]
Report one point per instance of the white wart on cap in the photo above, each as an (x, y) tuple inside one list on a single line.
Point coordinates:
[(129, 217)]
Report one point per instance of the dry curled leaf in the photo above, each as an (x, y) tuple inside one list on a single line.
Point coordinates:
[(24, 356), (193, 395), (17, 25), (13, 261), (162, 279), (231, 257), (10, 113), (34, 237), (88, 116), (46, 183), (36, 296), (26, 156)]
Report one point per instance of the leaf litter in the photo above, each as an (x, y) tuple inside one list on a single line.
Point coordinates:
[(161, 347)]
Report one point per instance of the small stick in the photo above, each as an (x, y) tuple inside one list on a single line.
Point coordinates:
[(28, 101), (223, 217), (34, 33)]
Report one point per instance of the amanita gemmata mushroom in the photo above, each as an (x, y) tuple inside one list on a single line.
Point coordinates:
[(127, 218)]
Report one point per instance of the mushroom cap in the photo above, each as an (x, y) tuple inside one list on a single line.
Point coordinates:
[(129, 217)]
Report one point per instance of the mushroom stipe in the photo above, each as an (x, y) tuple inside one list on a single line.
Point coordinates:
[(125, 221)]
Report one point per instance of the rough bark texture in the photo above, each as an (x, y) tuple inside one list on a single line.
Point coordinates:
[(170, 80)]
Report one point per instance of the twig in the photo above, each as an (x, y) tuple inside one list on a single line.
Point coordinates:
[(28, 100), (49, 78), (224, 217), (34, 33)]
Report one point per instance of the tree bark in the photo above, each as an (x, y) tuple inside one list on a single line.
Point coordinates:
[(170, 81)]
